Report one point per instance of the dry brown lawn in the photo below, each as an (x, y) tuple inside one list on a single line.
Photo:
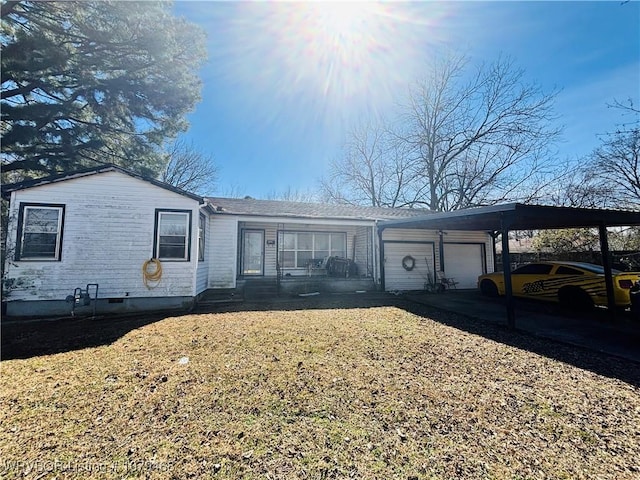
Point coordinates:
[(367, 393)]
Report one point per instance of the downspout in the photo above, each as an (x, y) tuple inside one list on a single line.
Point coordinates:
[(441, 249), (371, 255), (381, 259)]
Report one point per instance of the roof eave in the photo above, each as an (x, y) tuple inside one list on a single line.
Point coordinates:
[(8, 189)]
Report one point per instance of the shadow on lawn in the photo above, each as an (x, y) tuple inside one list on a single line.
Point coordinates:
[(597, 362), (47, 337), (33, 339)]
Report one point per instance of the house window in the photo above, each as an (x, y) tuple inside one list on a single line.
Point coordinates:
[(297, 249), (173, 228), (201, 229), (40, 232)]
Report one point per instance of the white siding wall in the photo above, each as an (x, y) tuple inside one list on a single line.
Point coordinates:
[(364, 251), (108, 235), (223, 251), (409, 234)]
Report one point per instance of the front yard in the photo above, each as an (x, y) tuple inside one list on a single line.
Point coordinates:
[(370, 393)]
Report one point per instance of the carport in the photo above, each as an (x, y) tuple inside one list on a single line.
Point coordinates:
[(501, 219)]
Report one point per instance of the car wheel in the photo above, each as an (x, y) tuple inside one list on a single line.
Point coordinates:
[(575, 298), (488, 288)]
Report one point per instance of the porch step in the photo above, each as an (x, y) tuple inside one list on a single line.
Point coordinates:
[(260, 289), (212, 297)]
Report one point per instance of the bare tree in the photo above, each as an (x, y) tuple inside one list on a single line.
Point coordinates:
[(609, 177), (616, 162), (374, 170), (464, 138), (190, 169), (234, 190), (293, 195), (480, 138), (580, 186)]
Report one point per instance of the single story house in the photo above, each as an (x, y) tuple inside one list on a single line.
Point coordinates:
[(135, 243)]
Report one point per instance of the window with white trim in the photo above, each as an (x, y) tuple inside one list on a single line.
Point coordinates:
[(297, 249), (173, 228), (40, 232), (201, 235)]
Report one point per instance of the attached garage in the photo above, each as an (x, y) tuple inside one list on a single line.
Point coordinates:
[(459, 255), (408, 265), (464, 262)]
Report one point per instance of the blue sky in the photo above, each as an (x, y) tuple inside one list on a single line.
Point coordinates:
[(285, 82)]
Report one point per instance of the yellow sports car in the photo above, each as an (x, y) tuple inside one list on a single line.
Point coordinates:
[(574, 284)]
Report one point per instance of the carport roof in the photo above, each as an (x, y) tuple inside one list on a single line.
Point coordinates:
[(518, 216)]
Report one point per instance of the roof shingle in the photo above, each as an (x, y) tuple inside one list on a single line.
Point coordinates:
[(279, 208)]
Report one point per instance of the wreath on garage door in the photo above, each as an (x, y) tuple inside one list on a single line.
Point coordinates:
[(408, 263)]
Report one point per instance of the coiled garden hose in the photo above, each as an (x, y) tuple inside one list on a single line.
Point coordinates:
[(151, 275)]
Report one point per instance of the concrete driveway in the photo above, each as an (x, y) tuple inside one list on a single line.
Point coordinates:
[(592, 330)]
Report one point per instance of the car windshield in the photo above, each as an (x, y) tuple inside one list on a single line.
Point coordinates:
[(593, 268), (533, 269)]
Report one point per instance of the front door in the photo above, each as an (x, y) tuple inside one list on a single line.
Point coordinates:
[(252, 252)]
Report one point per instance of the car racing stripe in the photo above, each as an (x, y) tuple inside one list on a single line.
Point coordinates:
[(550, 288)]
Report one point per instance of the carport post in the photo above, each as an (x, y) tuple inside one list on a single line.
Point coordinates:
[(606, 265), (506, 273), (494, 236)]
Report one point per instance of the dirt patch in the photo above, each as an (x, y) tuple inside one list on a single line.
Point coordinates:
[(324, 392)]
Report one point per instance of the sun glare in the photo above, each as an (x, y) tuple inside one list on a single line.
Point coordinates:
[(327, 60), (338, 19), (337, 44)]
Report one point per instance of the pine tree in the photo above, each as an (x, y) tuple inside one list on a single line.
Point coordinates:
[(94, 81)]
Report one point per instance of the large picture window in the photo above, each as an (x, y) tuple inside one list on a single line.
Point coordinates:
[(40, 232), (297, 249), (173, 228)]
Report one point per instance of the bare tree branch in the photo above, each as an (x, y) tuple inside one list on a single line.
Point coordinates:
[(617, 163), (482, 141), (373, 171), (294, 195), (464, 138), (189, 169)]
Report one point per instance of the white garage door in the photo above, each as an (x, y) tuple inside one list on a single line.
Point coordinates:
[(395, 275), (463, 263)]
